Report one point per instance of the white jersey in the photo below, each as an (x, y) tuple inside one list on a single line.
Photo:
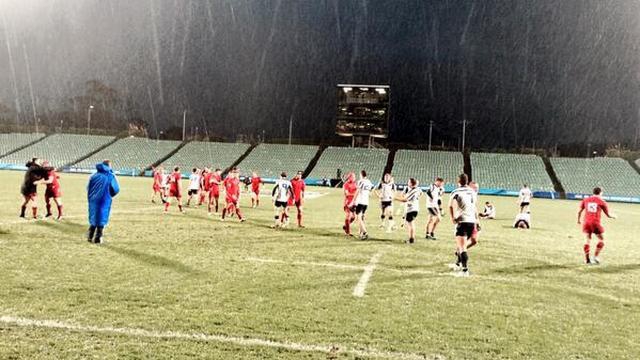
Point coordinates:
[(465, 200), (489, 211), (194, 182), (364, 190), (526, 217), (387, 191), (525, 195), (434, 194), (282, 190), (165, 181), (413, 199)]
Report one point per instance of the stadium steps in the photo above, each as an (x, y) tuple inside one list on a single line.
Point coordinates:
[(467, 168), (91, 153), (240, 159), (23, 146), (557, 184), (164, 158), (389, 166), (635, 164), (313, 161)]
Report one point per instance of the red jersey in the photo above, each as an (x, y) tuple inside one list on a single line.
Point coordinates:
[(206, 181), (298, 188), (157, 178), (350, 189), (55, 184), (255, 184), (232, 188), (593, 207), (174, 180), (214, 180)]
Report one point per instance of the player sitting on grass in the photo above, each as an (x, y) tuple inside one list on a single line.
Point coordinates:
[(411, 198), (281, 193), (592, 207), (462, 209), (489, 211), (522, 221)]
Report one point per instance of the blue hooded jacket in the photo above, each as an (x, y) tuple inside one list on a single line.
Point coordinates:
[(102, 187)]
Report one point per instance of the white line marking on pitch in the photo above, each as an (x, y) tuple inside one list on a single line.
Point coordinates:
[(236, 340), (358, 291)]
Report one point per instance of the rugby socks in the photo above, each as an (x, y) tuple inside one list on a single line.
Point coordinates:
[(23, 210), (239, 213), (599, 248), (224, 213), (48, 207), (300, 219), (166, 206), (59, 211), (347, 226), (458, 259), (464, 258), (34, 211), (587, 249), (180, 207)]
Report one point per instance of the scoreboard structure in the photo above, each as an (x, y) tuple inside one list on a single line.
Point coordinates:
[(363, 110)]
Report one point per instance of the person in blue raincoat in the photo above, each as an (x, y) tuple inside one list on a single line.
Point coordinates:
[(103, 186)]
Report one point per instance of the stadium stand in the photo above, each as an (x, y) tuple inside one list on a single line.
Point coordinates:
[(510, 171), (131, 155), (350, 159), (614, 175), (211, 154), (59, 149), (269, 160), (12, 141), (426, 165), (638, 163)]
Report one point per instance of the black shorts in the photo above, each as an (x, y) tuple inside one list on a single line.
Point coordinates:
[(282, 204), (410, 216), (434, 211), (192, 192), (361, 209), (465, 229), (385, 204), (522, 222), (524, 204)]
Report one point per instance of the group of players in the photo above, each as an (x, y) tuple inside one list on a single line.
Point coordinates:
[(39, 172), (205, 186)]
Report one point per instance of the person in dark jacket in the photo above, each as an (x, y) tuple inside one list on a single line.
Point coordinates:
[(103, 186), (35, 172)]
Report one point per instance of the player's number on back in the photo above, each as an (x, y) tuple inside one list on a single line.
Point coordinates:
[(592, 207)]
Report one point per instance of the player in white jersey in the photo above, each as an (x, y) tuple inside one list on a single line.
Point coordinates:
[(524, 199), (194, 184), (462, 209), (280, 194), (411, 198), (361, 201), (386, 191), (434, 199)]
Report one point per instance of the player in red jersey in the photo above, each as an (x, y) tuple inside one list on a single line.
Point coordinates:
[(205, 175), (256, 182), (175, 189), (349, 188), (232, 189), (297, 200), (592, 207), (53, 191), (214, 191), (157, 184)]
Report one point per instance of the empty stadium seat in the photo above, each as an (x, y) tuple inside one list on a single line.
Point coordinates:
[(131, 155), (614, 175), (350, 159), (59, 149), (210, 154), (269, 160), (425, 166), (12, 141), (510, 171)]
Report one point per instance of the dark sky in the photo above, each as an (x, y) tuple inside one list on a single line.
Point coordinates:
[(521, 72)]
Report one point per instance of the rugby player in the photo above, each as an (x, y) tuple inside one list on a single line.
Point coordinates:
[(462, 209), (349, 189), (592, 207), (298, 187), (364, 187), (175, 189), (411, 198), (434, 199), (256, 183), (386, 191), (282, 192)]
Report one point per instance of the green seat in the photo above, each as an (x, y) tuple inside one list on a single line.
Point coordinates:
[(269, 160), (12, 141), (210, 154), (510, 171), (425, 166), (350, 159), (614, 175)]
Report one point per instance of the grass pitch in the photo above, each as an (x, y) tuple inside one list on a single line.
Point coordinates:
[(178, 286)]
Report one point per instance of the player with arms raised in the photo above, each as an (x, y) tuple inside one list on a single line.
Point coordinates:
[(592, 207)]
